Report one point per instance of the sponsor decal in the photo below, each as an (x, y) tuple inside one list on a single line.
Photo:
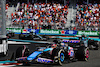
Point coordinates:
[(24, 31), (71, 32), (21, 58), (15, 30), (49, 31), (57, 32), (62, 32), (28, 30), (19, 30), (72, 53), (44, 60), (33, 30), (88, 33), (29, 58), (72, 41)]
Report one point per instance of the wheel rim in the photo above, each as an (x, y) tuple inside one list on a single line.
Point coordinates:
[(61, 57), (87, 54)]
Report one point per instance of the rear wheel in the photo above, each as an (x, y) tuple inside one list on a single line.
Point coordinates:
[(96, 46), (86, 55), (22, 52), (19, 52), (82, 53)]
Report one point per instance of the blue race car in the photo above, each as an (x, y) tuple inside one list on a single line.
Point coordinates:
[(52, 54)]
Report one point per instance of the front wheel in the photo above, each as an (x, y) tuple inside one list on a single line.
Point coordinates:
[(96, 47), (82, 53), (59, 57)]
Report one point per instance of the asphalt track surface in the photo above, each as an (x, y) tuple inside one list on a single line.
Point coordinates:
[(94, 59)]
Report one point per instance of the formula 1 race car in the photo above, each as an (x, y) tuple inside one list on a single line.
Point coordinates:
[(56, 53), (10, 34), (93, 44), (32, 36), (52, 54)]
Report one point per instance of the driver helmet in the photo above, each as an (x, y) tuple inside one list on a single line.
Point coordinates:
[(63, 44), (53, 45)]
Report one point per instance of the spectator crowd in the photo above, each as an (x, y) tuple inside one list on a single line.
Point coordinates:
[(88, 16), (54, 15), (41, 15)]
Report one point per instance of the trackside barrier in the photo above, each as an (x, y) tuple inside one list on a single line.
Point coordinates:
[(54, 32), (57, 32)]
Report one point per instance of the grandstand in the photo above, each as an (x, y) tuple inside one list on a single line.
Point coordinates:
[(88, 15), (55, 14)]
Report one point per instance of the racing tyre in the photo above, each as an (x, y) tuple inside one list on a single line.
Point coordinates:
[(19, 52), (82, 53), (58, 56), (61, 57), (96, 47), (22, 52), (90, 47), (86, 54)]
